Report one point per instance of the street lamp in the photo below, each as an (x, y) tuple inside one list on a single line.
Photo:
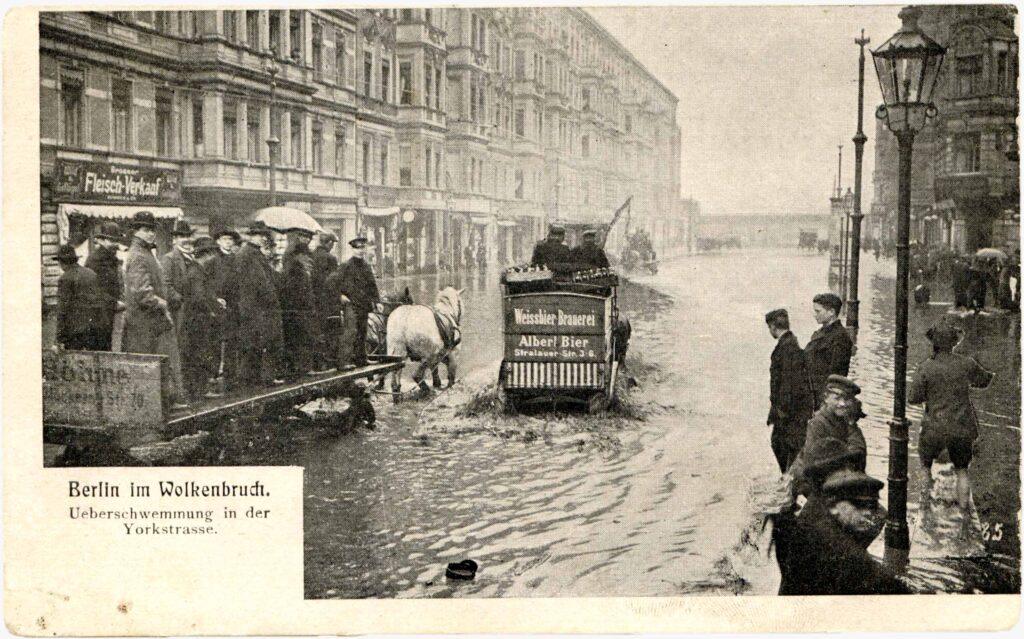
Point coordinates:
[(907, 65), (273, 142), (853, 304)]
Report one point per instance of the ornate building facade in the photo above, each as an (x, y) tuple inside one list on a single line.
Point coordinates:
[(966, 172), (440, 132)]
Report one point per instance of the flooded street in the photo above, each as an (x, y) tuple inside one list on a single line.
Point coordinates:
[(647, 500)]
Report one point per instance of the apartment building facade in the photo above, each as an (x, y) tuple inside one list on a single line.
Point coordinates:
[(966, 174), (439, 132)]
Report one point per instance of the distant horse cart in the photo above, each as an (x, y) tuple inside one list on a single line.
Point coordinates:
[(808, 240)]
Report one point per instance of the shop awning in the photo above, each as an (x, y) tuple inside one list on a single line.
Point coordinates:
[(110, 212), (371, 211)]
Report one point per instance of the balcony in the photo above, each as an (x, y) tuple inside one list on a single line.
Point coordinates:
[(470, 128), (372, 106), (409, 114), (975, 186)]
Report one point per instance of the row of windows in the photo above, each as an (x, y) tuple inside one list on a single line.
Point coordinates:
[(971, 78)]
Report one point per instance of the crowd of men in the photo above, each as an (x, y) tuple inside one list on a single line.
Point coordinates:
[(821, 547), (227, 310)]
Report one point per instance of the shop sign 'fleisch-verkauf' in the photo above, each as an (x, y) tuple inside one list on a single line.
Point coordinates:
[(116, 183)]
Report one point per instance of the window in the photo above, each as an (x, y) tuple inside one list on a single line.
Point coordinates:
[(252, 28), (404, 165), (519, 184), (318, 147), (437, 170), (163, 122), (428, 77), (163, 21), (520, 65), (1003, 79), (438, 83), (318, 46), (520, 122), (428, 16), (295, 34), (71, 92), (629, 123), (339, 149), (230, 19), (405, 83), (230, 131), (405, 15), (296, 139), (339, 56), (384, 150), (427, 164), (967, 153), (366, 161), (367, 73), (585, 146), (586, 99), (385, 79), (197, 124), (121, 106), (275, 32), (252, 132), (968, 75)]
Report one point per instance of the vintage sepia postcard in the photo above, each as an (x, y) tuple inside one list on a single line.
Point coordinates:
[(422, 318)]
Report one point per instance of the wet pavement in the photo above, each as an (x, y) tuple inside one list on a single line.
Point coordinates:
[(650, 498)]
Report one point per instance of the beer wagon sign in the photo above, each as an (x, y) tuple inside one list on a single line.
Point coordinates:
[(565, 328)]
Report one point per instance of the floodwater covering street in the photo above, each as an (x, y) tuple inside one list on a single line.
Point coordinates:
[(649, 499)]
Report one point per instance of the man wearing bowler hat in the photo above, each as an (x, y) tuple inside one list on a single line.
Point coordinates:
[(175, 264), (823, 549), (297, 308), (830, 348), (201, 311), (80, 308), (229, 241), (354, 286), (324, 263), (148, 325), (103, 261)]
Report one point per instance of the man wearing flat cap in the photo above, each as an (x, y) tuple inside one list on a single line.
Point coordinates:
[(942, 383), (792, 401), (81, 309), (201, 313), (830, 348), (588, 254), (103, 261), (552, 253), (836, 419), (823, 549), (354, 286)]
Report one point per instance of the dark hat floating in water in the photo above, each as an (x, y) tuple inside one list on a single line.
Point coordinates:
[(463, 570)]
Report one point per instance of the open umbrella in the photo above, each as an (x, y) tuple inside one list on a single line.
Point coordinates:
[(283, 218), (988, 253)]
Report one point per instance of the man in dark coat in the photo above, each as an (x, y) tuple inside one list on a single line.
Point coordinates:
[(354, 286), (175, 265), (835, 420), (297, 306), (148, 325), (228, 242), (792, 401), (942, 383), (588, 254), (103, 261), (823, 549), (327, 331), (830, 348), (551, 252), (201, 311), (259, 314), (81, 309)]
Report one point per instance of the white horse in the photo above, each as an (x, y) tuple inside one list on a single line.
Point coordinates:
[(413, 332)]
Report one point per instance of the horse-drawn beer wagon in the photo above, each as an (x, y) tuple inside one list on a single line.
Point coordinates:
[(564, 340)]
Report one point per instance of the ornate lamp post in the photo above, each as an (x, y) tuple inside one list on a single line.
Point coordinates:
[(907, 65), (273, 142)]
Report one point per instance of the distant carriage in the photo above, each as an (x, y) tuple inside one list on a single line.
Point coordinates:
[(564, 340), (808, 240)]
